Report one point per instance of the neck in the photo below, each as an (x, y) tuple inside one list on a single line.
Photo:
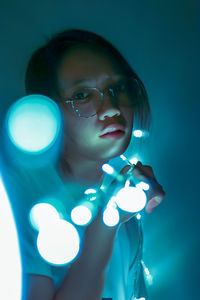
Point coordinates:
[(81, 171)]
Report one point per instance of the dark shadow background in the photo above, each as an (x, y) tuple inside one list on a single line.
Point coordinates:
[(160, 40)]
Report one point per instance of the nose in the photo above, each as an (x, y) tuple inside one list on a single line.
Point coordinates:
[(107, 109)]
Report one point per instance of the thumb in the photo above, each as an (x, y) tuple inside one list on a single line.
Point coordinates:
[(125, 169)]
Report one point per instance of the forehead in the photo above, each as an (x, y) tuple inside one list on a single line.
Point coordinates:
[(86, 64)]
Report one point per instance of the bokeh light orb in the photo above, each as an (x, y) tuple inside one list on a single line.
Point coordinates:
[(58, 244), (43, 214), (111, 216), (33, 123), (81, 215), (10, 257)]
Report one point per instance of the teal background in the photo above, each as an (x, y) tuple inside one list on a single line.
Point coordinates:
[(160, 40)]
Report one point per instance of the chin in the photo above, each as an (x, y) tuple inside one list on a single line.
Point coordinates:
[(115, 151)]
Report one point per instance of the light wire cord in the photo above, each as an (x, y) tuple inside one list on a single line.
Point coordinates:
[(137, 261)]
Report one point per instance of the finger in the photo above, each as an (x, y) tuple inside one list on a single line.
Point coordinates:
[(139, 173), (154, 202), (155, 189), (145, 170), (125, 169), (151, 205)]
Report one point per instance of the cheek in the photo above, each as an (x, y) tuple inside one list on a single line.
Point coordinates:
[(77, 129)]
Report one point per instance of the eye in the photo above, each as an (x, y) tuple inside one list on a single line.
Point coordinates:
[(82, 95), (118, 88)]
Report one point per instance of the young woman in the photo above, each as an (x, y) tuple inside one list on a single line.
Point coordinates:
[(73, 66)]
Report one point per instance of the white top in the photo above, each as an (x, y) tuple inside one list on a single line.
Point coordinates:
[(124, 275)]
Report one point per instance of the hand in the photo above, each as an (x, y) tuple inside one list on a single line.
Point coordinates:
[(145, 173)]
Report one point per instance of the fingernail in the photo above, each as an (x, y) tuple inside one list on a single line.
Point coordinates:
[(158, 199), (152, 203)]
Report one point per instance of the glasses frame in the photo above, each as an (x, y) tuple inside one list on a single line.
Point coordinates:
[(111, 93)]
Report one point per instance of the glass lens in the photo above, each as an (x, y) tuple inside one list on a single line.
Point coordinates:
[(124, 92), (86, 101)]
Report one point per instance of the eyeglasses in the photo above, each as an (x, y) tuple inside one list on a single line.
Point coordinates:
[(87, 101)]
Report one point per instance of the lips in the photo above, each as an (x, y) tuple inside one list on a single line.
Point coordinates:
[(113, 130)]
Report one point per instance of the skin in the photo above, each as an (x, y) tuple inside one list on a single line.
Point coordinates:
[(84, 151), (83, 155)]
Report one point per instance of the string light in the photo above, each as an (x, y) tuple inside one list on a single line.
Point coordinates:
[(143, 185), (128, 198)]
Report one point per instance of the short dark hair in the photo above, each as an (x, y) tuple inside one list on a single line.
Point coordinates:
[(41, 73)]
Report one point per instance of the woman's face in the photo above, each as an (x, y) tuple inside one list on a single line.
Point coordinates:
[(84, 137)]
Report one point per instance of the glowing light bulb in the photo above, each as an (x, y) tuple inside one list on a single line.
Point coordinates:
[(143, 185), (81, 215), (58, 244), (149, 277), (138, 216), (146, 271), (134, 160), (43, 214), (112, 202), (33, 123), (131, 199), (138, 133), (123, 157), (111, 171), (107, 169), (90, 191), (127, 183), (111, 216)]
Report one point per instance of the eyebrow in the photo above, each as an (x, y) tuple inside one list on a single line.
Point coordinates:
[(77, 82), (87, 81), (81, 81)]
